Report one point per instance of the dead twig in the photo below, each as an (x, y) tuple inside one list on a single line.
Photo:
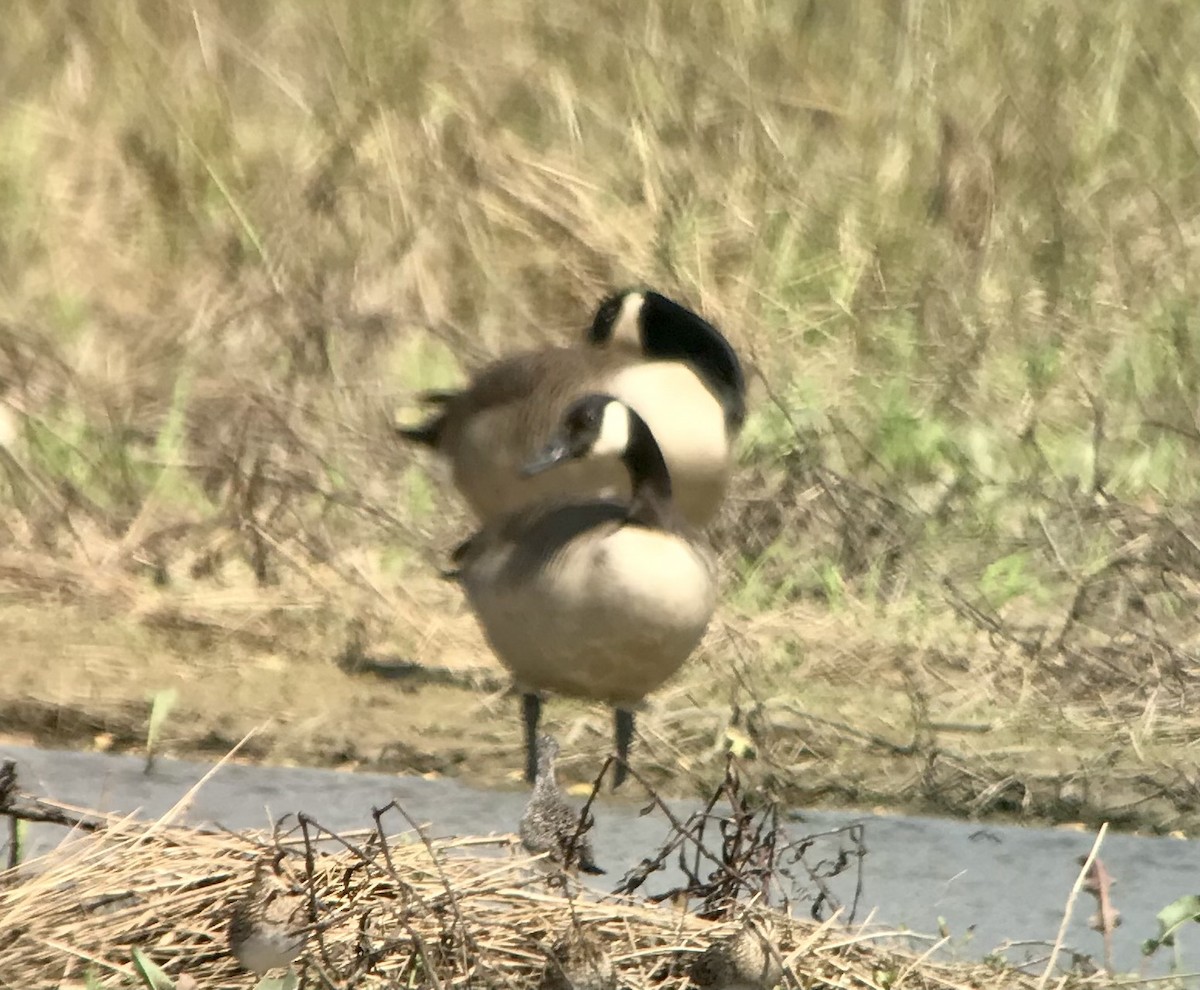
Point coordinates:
[(1070, 907)]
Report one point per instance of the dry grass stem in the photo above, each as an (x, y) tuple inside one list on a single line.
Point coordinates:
[(387, 909)]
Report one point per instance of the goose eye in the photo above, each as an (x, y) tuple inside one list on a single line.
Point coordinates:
[(606, 316)]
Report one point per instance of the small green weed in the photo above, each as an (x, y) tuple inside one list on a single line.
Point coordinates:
[(161, 704)]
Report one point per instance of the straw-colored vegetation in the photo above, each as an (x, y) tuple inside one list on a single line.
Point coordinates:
[(956, 243), (397, 910)]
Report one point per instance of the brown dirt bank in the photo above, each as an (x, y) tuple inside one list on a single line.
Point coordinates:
[(829, 707)]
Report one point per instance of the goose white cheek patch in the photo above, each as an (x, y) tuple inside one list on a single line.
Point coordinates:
[(613, 437), (625, 326)]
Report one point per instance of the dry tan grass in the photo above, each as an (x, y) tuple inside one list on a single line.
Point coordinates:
[(389, 910), (956, 247)]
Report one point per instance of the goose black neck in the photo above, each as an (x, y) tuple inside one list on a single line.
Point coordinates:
[(673, 332), (651, 504)]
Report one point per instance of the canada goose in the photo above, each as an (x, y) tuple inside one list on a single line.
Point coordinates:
[(745, 960), (598, 598), (267, 927), (550, 825), (673, 367)]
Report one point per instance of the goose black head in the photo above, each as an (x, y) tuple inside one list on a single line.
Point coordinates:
[(618, 320), (593, 426), (664, 330)]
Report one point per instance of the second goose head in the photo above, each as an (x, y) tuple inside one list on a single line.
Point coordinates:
[(688, 386), (601, 427), (666, 362), (661, 329)]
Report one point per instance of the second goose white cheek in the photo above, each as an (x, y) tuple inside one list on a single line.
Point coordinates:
[(613, 436)]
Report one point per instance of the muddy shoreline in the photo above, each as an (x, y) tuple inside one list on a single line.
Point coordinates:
[(400, 717)]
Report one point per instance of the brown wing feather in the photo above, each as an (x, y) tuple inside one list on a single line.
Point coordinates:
[(531, 538)]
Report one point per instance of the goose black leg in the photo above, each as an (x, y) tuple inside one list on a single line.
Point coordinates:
[(531, 710), (623, 723)]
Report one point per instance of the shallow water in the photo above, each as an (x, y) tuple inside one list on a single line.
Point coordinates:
[(990, 883)]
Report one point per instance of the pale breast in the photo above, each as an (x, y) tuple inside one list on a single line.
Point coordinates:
[(265, 949), (610, 618)]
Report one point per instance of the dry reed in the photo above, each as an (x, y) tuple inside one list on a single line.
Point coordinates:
[(385, 910)]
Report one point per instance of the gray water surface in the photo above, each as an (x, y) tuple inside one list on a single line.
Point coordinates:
[(991, 884)]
